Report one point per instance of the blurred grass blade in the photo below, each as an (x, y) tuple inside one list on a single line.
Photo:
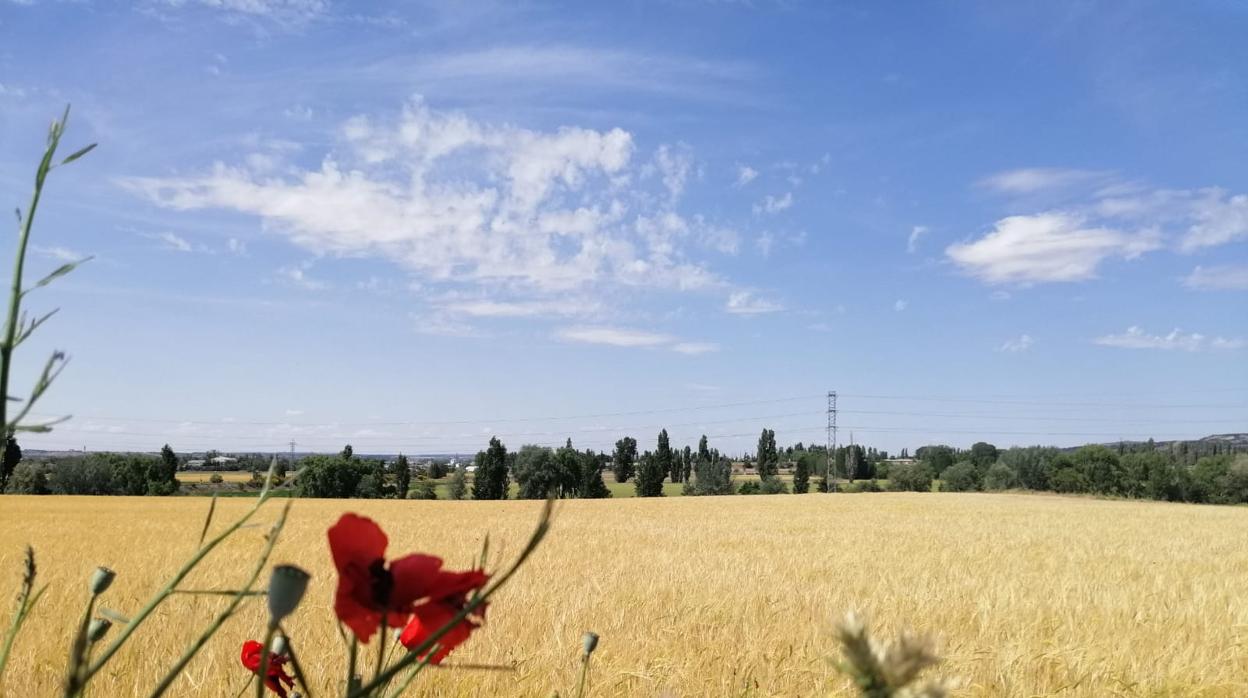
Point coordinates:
[(212, 508), (59, 272), (79, 154)]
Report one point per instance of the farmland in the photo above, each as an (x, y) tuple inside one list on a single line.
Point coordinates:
[(1025, 594)]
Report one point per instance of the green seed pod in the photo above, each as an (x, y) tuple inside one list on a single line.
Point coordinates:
[(589, 643), (101, 579), (98, 629), (286, 588)]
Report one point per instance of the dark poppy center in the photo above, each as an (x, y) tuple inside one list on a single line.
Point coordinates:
[(381, 582)]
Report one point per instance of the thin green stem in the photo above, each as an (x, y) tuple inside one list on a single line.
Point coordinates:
[(580, 689), (172, 584), (352, 683), (263, 675), (381, 647), (19, 264), (74, 682), (411, 676), (294, 663), (229, 610)]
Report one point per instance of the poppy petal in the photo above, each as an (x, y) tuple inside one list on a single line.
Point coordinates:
[(428, 619), (356, 539), (413, 576)]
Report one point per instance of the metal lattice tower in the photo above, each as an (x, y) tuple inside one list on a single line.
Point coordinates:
[(830, 475), (292, 454)]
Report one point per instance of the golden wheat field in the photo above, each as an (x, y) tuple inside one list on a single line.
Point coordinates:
[(718, 596)]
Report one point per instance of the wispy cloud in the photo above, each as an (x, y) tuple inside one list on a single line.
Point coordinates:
[(172, 241), (1037, 179), (746, 303), (1047, 247), (1226, 277), (515, 309), (63, 254), (1136, 338), (912, 243), (745, 175), (900, 305), (1019, 344), (773, 204), (632, 338)]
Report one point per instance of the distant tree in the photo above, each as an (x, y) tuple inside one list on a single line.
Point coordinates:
[(910, 477), (90, 474), (960, 477), (129, 474), (347, 452), (766, 457), (937, 458), (686, 462), (983, 455), (8, 463), (1000, 477), (536, 472), (592, 486), (162, 473), (28, 478), (649, 478), (423, 489), (458, 487), (490, 481), (402, 477), (568, 463), (1100, 467), (335, 477), (623, 462), (1067, 479), (801, 474), (664, 456), (438, 469)]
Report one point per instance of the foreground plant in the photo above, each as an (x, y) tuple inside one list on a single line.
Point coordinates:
[(887, 669)]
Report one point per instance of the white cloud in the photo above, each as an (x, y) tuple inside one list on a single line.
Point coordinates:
[(294, 413), (764, 243), (1218, 220), (493, 308), (694, 348), (299, 277), (632, 338), (173, 242), (237, 247), (745, 175), (674, 163), (1136, 338), (1228, 277), (900, 305), (1046, 247), (912, 243), (1021, 343), (746, 303), (613, 336), (459, 201), (63, 254), (771, 204), (1036, 179), (280, 10)]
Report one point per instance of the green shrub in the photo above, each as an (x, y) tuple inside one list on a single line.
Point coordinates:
[(960, 477), (773, 485), (910, 477), (458, 487), (1067, 480), (423, 489), (216, 479), (28, 478), (750, 487), (1000, 477)]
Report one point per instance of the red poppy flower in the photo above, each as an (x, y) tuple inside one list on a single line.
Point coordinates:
[(369, 590), (276, 674), (432, 615)]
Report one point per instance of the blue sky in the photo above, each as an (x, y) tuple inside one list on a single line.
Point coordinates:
[(410, 226)]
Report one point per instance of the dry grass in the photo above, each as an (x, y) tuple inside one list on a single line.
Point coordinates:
[(1026, 595), (197, 476)]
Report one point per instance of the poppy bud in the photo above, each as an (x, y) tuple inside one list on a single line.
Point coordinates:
[(589, 643), (286, 588), (280, 646), (98, 629), (101, 580)]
